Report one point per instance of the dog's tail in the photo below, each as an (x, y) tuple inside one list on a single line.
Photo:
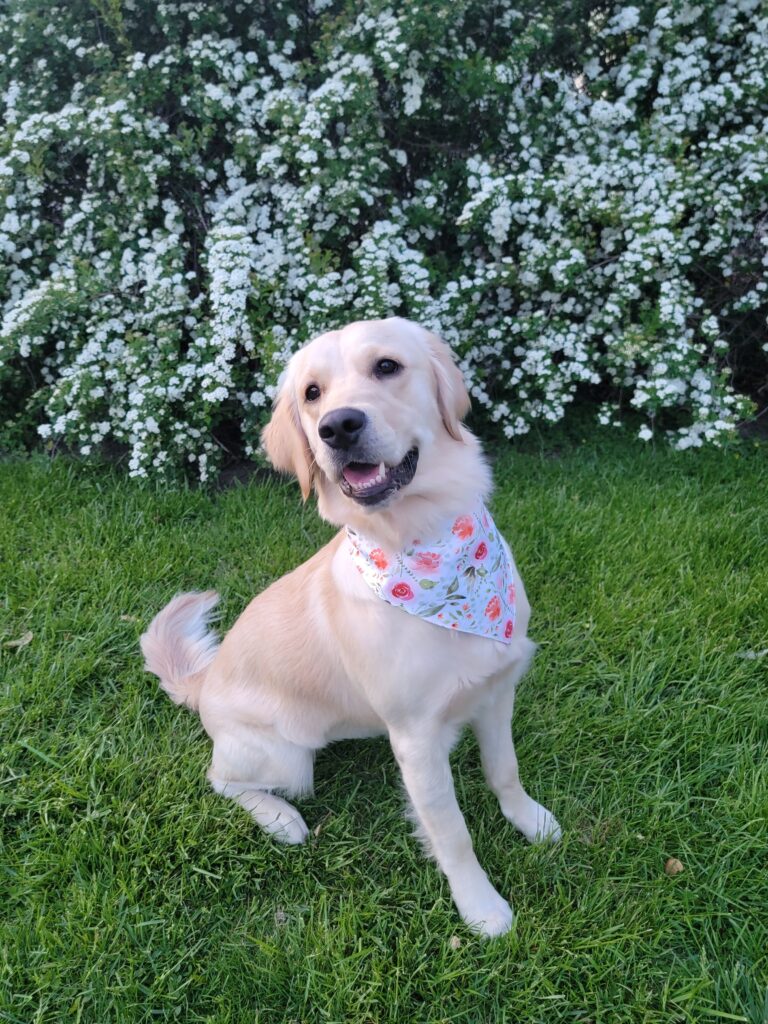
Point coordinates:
[(178, 647)]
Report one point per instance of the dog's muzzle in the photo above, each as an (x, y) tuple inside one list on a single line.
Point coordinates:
[(361, 478)]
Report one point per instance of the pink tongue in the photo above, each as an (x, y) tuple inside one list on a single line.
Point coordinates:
[(360, 473)]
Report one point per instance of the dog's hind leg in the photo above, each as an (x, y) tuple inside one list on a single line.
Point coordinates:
[(247, 766), (275, 815)]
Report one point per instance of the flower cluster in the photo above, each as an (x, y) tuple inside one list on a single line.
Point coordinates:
[(189, 191)]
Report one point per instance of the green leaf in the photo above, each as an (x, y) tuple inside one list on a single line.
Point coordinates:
[(427, 584)]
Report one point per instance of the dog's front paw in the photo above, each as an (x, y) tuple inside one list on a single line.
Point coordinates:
[(489, 915), (546, 829), (537, 824)]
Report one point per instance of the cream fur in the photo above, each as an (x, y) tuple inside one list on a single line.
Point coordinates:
[(318, 657)]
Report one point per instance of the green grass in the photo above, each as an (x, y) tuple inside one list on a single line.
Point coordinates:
[(130, 892)]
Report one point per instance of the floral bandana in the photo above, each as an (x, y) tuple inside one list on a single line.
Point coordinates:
[(463, 580)]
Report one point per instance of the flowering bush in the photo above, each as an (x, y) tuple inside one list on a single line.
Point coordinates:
[(573, 195)]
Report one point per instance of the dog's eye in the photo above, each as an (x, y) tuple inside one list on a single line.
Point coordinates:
[(312, 392), (386, 368)]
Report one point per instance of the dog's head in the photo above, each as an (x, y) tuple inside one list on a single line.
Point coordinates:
[(366, 415)]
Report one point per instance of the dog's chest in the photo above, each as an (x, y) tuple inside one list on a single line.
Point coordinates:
[(409, 661)]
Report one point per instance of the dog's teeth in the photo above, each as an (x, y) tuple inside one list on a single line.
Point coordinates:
[(381, 476)]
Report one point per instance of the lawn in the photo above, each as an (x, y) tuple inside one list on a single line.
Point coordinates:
[(130, 892)]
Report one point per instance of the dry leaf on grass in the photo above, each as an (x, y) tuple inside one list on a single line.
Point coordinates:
[(673, 866), (21, 642), (128, 618), (321, 824)]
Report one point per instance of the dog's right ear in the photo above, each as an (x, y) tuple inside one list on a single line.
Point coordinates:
[(286, 443)]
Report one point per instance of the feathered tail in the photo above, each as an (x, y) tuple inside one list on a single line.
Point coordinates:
[(178, 647)]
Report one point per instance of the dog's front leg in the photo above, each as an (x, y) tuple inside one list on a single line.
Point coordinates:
[(492, 724), (423, 758)]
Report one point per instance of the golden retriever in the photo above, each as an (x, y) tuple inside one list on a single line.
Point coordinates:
[(370, 417)]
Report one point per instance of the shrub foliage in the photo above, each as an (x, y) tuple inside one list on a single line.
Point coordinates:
[(572, 194)]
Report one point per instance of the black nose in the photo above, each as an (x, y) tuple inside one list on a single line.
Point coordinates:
[(342, 428)]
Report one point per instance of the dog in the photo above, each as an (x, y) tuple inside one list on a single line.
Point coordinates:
[(410, 623)]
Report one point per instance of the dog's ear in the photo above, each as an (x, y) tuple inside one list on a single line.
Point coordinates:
[(452, 395), (286, 443)]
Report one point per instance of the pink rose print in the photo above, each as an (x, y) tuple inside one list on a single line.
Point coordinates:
[(426, 561), (481, 551), (401, 591), (511, 593), (379, 559), (508, 629), (463, 527), (493, 609)]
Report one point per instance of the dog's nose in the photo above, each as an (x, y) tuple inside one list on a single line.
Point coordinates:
[(341, 428)]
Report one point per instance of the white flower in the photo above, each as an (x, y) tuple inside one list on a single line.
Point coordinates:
[(581, 244)]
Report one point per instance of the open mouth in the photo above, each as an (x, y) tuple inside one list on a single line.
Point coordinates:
[(369, 483)]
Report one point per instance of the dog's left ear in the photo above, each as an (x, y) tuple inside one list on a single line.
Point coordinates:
[(452, 395), (286, 443)]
